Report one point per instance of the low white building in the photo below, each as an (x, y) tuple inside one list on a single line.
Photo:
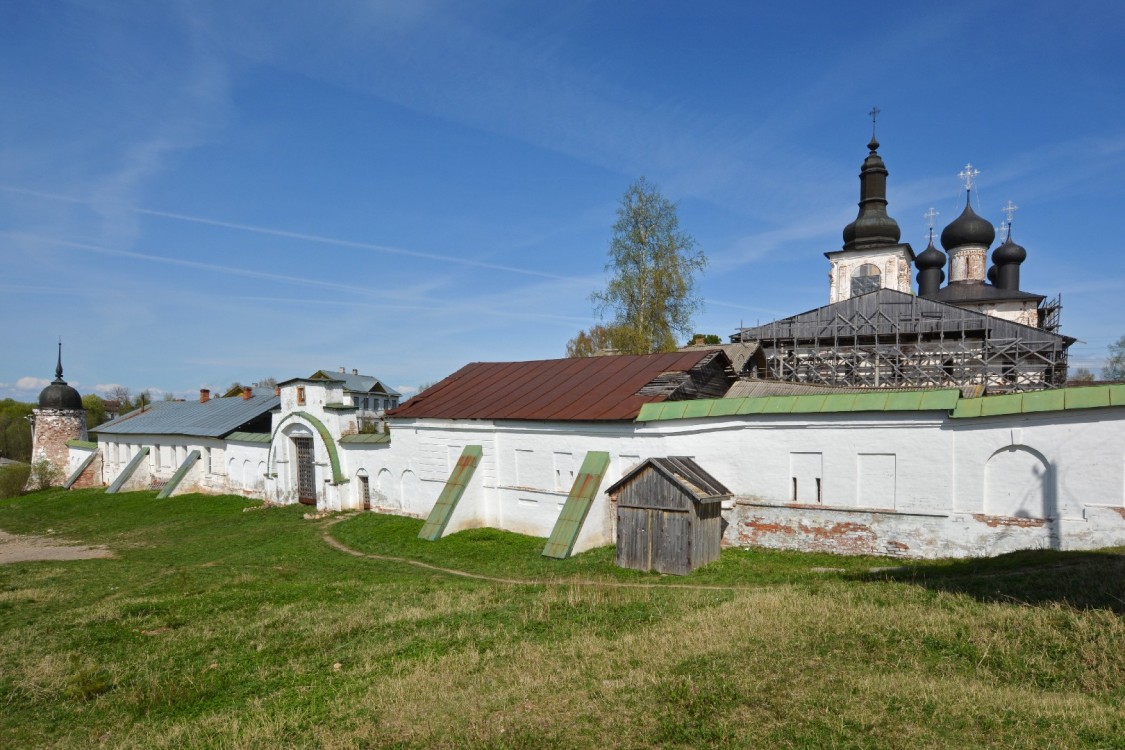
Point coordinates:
[(215, 441), (909, 473)]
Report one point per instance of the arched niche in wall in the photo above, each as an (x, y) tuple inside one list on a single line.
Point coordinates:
[(385, 489), (1018, 482)]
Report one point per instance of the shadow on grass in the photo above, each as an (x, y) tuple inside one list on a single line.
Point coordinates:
[(1083, 580)]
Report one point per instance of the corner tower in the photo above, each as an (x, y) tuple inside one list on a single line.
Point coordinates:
[(872, 257), (59, 417)]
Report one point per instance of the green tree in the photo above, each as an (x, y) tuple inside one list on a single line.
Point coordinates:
[(651, 296), (95, 410), (15, 430), (1082, 375), (708, 339), (1115, 364), (593, 342)]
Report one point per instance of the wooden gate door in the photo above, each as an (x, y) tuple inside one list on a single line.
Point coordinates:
[(306, 476)]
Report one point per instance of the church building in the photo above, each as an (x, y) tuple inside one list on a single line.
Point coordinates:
[(980, 331)]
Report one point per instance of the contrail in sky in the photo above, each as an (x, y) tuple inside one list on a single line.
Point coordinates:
[(291, 235)]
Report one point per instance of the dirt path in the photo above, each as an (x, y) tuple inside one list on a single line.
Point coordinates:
[(336, 544), (17, 548)]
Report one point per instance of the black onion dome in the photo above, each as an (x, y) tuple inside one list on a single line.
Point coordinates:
[(991, 276), (931, 257), (1009, 252), (59, 395), (968, 229)]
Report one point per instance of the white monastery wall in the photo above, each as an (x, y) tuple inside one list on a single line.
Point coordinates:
[(916, 484)]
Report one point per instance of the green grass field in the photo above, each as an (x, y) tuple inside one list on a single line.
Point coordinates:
[(221, 624)]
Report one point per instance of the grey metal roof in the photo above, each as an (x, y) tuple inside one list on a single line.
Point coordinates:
[(359, 383), (214, 418)]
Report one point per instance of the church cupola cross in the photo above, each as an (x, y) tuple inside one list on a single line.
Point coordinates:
[(930, 216), (968, 175)]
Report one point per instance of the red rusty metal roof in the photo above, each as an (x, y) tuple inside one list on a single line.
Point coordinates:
[(576, 389)]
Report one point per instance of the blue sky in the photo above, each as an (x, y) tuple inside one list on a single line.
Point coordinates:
[(193, 193)]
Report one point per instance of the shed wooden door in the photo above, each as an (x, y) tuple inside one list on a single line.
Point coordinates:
[(654, 539), (306, 476)]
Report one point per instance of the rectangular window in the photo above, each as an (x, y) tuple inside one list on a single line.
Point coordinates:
[(300, 395)]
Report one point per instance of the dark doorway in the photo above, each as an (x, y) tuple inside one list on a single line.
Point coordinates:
[(306, 475)]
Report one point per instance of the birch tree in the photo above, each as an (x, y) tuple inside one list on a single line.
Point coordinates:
[(651, 296)]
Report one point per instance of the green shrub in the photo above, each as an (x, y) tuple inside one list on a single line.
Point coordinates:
[(13, 478), (45, 475)]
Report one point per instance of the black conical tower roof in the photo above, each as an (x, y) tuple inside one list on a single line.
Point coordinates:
[(872, 227)]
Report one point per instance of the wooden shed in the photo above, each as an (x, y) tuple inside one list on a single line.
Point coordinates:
[(668, 516)]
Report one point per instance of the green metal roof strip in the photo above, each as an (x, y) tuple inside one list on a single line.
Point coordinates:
[(250, 437), (905, 401), (178, 477), (942, 400), (697, 409), (127, 472), (1063, 399), (565, 533), (1085, 398), (81, 468), (967, 408), (869, 402), (87, 444), (333, 455), (751, 405), (451, 493), (1011, 403), (1044, 401), (808, 404), (724, 407), (368, 437), (340, 407), (836, 402), (945, 399)]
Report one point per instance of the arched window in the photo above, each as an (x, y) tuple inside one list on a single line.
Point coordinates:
[(866, 279)]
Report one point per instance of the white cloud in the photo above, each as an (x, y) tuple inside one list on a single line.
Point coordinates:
[(30, 383)]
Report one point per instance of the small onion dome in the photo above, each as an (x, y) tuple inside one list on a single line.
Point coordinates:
[(931, 257), (992, 274), (968, 229), (59, 395), (1009, 252)]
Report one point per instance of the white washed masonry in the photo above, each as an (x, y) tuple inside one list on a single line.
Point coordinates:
[(940, 481)]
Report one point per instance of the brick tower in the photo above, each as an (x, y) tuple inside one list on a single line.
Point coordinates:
[(58, 418)]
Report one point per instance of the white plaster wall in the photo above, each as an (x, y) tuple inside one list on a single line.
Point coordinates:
[(894, 266)]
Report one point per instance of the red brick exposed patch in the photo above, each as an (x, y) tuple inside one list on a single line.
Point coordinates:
[(898, 546), (844, 537), (1119, 511), (1010, 521), (765, 527)]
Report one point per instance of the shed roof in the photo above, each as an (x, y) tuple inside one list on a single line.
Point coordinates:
[(574, 389), (681, 471), (214, 418)]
